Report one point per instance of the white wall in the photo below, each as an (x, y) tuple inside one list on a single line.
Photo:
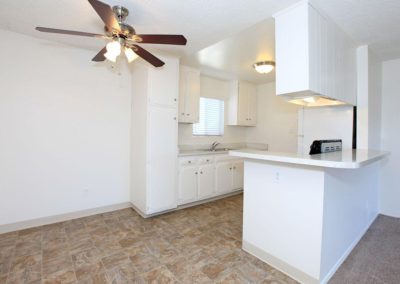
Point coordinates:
[(335, 122), (390, 189), (369, 98), (276, 121), (218, 89), (375, 102), (64, 130)]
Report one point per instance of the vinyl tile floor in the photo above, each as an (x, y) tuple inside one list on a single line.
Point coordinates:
[(201, 244)]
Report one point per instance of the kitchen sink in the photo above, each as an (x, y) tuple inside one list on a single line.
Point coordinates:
[(218, 150)]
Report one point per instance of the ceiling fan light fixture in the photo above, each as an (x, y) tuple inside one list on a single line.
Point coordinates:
[(130, 55), (111, 57), (264, 67), (114, 48)]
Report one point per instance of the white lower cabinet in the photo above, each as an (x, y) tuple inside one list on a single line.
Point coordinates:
[(187, 188), (237, 174), (206, 181), (223, 177), (229, 176), (206, 176)]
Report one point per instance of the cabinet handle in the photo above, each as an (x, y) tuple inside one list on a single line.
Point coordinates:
[(182, 113), (189, 162), (234, 168), (175, 100), (201, 173), (207, 160), (196, 173), (188, 114), (230, 168), (174, 118)]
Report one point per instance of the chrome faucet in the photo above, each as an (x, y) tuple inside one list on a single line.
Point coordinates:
[(214, 146)]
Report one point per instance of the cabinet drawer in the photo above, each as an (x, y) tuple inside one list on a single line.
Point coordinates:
[(205, 160), (187, 161)]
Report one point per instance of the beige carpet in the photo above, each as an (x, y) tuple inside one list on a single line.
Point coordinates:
[(376, 258)]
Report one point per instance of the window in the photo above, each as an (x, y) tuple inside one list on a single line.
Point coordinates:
[(211, 120)]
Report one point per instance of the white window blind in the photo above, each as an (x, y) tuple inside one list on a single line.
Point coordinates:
[(211, 120)]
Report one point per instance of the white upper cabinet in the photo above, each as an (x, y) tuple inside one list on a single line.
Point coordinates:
[(164, 83), (242, 104), (189, 95), (314, 58)]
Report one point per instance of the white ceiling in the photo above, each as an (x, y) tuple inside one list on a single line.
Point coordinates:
[(203, 22), (235, 55), (372, 22), (224, 36)]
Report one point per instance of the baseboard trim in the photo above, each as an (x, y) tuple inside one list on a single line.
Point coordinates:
[(214, 198), (211, 199), (279, 264), (294, 272), (347, 252), (61, 218)]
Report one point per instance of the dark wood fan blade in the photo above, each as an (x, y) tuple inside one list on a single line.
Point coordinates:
[(100, 56), (106, 14), (143, 53), (163, 39), (67, 32)]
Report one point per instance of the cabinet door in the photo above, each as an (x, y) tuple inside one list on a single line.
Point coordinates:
[(243, 104), (164, 83), (237, 175), (162, 159), (192, 95), (187, 188), (252, 104), (206, 181), (223, 174), (182, 92)]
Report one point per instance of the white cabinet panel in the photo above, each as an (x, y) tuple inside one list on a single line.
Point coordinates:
[(237, 177), (189, 95), (242, 104), (202, 177), (154, 136), (223, 173), (187, 188), (162, 158), (206, 181), (252, 105), (314, 57), (164, 83)]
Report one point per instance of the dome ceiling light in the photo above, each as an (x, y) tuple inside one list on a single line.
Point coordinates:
[(264, 67)]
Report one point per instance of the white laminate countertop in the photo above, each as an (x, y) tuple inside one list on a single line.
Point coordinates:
[(347, 159), (200, 152)]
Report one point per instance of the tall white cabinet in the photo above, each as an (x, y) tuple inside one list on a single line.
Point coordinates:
[(154, 136)]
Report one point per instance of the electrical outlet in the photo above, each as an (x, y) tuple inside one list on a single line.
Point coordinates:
[(277, 177), (85, 191)]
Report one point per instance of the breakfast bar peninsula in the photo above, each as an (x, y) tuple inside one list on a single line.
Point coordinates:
[(303, 214)]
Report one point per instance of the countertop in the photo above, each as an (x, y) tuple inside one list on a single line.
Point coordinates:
[(200, 152), (347, 159)]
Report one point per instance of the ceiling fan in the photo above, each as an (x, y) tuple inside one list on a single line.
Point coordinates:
[(122, 36)]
